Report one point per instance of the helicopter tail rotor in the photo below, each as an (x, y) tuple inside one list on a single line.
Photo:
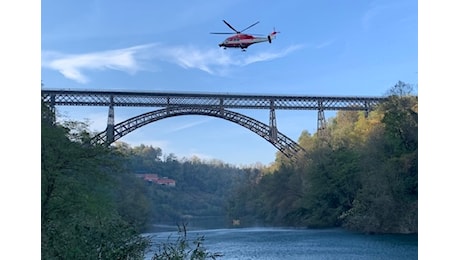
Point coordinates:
[(272, 35)]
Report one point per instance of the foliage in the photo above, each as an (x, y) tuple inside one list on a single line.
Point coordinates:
[(79, 211), (360, 174), (181, 248), (389, 197)]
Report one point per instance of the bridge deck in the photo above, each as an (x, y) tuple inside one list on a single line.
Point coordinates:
[(241, 101)]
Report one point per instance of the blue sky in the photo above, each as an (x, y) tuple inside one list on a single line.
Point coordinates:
[(330, 48)]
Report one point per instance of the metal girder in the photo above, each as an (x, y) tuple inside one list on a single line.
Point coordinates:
[(283, 143), (228, 101)]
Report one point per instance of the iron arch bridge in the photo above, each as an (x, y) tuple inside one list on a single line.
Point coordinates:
[(208, 104), (283, 143)]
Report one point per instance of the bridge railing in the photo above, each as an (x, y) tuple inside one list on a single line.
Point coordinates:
[(229, 101)]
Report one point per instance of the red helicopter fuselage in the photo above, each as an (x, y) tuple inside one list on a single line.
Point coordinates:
[(244, 40)]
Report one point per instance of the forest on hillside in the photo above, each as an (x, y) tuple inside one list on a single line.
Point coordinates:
[(361, 173), (202, 188)]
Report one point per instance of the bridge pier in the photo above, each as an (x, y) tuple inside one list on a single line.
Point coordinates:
[(366, 109), (52, 107), (221, 106), (110, 123), (272, 124), (321, 125)]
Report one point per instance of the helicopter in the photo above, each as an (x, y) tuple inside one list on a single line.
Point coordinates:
[(242, 40)]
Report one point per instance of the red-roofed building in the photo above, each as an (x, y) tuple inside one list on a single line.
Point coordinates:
[(166, 182), (150, 177), (153, 178)]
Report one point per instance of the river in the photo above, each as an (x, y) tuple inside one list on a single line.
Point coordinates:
[(292, 244)]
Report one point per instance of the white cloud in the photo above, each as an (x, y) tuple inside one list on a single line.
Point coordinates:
[(324, 44), (133, 59), (374, 12), (266, 56), (72, 66)]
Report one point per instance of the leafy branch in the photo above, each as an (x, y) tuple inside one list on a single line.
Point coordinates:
[(181, 248)]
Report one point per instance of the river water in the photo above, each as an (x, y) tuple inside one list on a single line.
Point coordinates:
[(287, 244)]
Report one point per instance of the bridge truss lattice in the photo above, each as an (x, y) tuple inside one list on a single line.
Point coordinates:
[(209, 104)]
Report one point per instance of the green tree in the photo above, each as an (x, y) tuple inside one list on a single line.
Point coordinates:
[(79, 216)]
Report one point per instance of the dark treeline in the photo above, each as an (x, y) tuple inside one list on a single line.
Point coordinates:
[(361, 174)]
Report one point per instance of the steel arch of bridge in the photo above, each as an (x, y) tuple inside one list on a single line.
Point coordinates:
[(283, 143)]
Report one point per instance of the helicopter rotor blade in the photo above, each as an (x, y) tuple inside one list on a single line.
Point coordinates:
[(236, 31), (250, 26), (230, 26), (221, 33)]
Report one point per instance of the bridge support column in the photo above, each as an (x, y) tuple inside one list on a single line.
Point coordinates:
[(221, 106), (367, 109), (53, 109), (167, 105), (110, 123), (273, 128), (321, 126)]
